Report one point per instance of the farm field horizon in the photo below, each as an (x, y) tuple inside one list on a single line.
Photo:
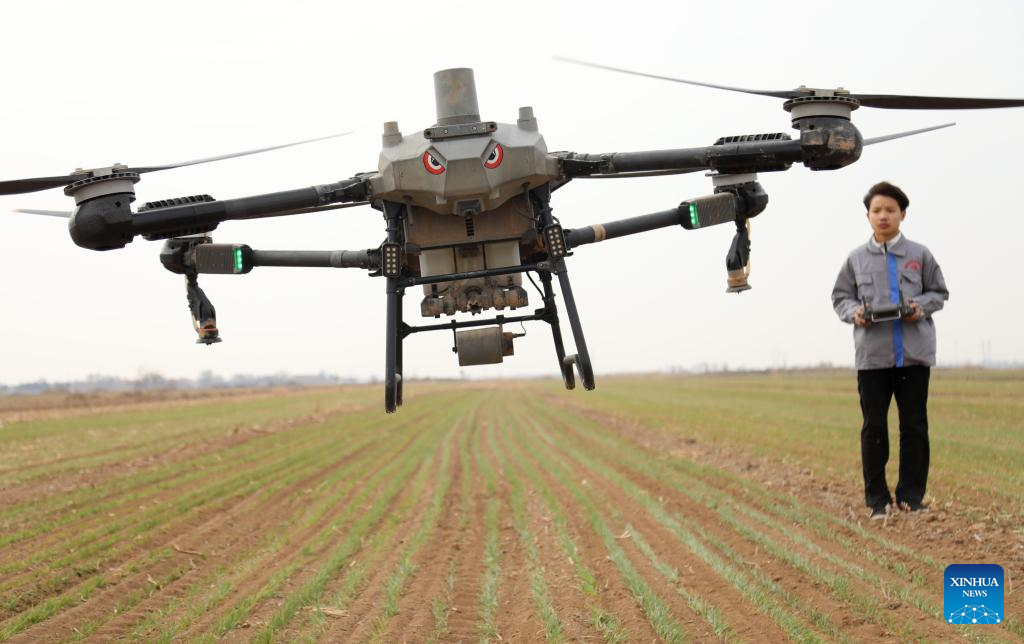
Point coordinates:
[(719, 507)]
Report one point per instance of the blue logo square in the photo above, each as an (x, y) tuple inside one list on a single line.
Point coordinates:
[(974, 594)]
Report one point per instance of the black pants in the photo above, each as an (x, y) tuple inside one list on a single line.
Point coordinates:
[(877, 387)]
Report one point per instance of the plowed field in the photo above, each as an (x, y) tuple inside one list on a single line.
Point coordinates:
[(656, 508)]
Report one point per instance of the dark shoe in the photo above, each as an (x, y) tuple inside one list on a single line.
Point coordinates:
[(878, 512), (913, 506)]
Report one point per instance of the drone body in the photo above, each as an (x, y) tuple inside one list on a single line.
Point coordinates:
[(464, 185), (467, 211)]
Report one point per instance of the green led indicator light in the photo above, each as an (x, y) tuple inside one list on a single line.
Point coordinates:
[(238, 260), (694, 219)]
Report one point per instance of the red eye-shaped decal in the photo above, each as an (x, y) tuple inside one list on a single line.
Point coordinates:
[(493, 159), (432, 165)]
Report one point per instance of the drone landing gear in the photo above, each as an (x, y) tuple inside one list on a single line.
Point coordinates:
[(582, 356), (551, 233), (570, 366), (581, 359), (483, 347), (396, 330)]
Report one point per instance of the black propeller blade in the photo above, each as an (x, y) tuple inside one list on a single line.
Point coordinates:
[(884, 101), (20, 186), (897, 102)]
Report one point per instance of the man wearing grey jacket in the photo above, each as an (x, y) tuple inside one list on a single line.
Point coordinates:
[(893, 357)]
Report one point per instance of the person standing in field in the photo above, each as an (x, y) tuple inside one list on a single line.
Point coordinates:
[(894, 357)]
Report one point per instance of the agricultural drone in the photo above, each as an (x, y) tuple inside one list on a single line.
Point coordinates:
[(467, 211)]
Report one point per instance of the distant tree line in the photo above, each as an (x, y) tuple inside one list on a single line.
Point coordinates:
[(155, 381), (152, 381)]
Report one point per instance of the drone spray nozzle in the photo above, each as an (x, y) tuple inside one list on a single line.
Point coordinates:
[(751, 200), (204, 316), (455, 96), (737, 261)]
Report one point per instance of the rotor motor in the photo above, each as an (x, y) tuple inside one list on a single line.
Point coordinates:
[(828, 138), (103, 218)]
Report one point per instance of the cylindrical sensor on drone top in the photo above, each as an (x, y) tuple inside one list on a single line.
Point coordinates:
[(708, 211), (225, 259)]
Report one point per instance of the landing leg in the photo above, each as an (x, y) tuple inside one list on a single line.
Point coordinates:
[(582, 354), (551, 317), (400, 383), (392, 351), (540, 202)]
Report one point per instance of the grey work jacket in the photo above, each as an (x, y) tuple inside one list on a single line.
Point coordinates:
[(869, 273)]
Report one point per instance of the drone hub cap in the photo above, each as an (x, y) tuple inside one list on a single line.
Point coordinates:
[(94, 185), (821, 103)]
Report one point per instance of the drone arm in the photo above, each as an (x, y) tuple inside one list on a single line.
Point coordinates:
[(825, 143), (730, 203), (107, 222), (163, 220), (726, 156), (622, 227), (239, 258), (198, 254), (193, 255), (368, 259)]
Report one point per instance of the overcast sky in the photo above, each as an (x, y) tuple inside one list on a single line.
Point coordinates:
[(152, 83)]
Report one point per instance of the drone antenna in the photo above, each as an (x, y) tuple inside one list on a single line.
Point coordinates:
[(455, 96)]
